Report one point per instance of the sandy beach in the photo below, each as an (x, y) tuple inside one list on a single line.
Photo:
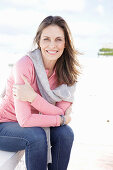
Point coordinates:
[(92, 117)]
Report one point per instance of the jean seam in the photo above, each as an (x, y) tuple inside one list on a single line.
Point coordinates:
[(28, 157), (58, 153)]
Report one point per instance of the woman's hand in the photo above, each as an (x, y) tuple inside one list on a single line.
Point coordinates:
[(67, 115), (69, 110), (67, 119), (24, 92)]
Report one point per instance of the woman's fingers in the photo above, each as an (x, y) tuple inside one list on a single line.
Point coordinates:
[(69, 110), (24, 92), (67, 118), (25, 79), (15, 89)]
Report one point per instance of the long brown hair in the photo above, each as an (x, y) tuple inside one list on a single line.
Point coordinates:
[(67, 66)]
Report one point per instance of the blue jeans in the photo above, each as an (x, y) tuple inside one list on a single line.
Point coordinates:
[(14, 138)]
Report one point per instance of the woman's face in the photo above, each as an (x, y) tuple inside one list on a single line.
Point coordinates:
[(52, 42)]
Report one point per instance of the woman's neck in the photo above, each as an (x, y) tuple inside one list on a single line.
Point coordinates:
[(49, 65)]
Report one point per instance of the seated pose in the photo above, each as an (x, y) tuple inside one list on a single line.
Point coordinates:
[(35, 111)]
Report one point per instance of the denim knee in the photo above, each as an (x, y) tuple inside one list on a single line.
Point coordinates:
[(37, 137), (64, 134), (67, 135)]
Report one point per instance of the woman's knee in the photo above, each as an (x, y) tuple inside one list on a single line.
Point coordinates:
[(36, 135), (37, 141), (67, 134), (64, 134)]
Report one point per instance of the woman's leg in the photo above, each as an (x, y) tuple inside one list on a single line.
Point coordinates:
[(33, 139), (61, 140)]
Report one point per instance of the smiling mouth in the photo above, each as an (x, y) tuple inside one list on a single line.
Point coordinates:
[(51, 51)]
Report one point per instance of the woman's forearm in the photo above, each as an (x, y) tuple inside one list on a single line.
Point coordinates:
[(45, 107)]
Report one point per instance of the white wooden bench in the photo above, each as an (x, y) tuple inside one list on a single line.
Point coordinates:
[(10, 160)]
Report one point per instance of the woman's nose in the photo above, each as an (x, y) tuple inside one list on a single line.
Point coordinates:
[(52, 44)]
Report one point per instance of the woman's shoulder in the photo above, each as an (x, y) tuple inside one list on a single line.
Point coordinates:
[(23, 65), (24, 61)]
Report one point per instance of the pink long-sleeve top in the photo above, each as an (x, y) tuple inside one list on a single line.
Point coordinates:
[(26, 113)]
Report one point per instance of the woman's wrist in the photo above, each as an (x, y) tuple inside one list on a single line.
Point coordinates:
[(62, 120)]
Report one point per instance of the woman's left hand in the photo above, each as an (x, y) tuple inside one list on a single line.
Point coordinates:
[(24, 92), (67, 114), (69, 110)]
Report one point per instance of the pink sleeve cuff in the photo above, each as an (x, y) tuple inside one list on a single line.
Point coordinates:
[(57, 120)]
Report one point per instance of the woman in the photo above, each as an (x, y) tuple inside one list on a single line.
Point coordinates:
[(21, 124)]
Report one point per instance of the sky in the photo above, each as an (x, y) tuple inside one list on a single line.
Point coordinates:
[(91, 24)]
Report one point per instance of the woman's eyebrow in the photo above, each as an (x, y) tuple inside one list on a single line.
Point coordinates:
[(55, 37), (60, 37), (45, 36)]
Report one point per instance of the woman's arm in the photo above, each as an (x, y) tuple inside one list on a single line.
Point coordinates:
[(25, 67), (23, 109), (26, 119), (64, 105), (26, 93)]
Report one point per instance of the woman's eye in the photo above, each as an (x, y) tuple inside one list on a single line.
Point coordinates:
[(59, 39), (46, 39)]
